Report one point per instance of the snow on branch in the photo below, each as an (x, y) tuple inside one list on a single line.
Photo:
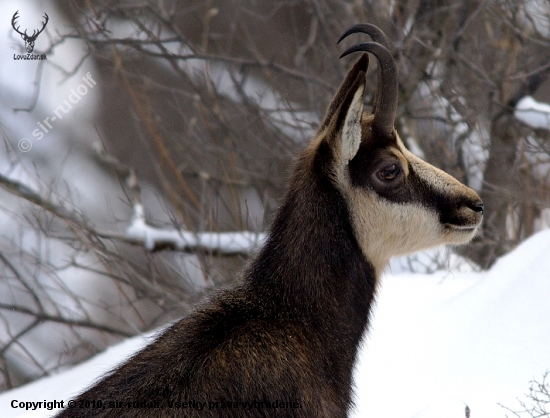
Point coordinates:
[(153, 238), (139, 232), (243, 242), (533, 113)]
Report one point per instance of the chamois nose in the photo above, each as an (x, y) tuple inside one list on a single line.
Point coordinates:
[(477, 206)]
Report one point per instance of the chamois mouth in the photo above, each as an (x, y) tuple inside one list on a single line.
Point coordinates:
[(461, 228)]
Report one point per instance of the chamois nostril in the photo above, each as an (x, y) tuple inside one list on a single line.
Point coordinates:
[(476, 207)]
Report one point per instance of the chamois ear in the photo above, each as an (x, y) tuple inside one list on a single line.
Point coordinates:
[(342, 123)]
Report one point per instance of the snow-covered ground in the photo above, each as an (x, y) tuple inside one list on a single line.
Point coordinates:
[(448, 338), (438, 342)]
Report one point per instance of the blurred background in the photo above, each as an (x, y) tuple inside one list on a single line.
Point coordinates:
[(153, 129)]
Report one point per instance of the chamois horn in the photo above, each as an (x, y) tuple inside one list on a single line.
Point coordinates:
[(374, 32), (385, 102)]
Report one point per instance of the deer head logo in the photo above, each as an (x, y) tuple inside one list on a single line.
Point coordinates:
[(29, 40)]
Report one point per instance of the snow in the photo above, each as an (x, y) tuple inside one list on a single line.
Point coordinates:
[(69, 383), (537, 16), (477, 338), (242, 242), (438, 343), (533, 113)]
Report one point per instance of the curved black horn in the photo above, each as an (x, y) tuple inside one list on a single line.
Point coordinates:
[(376, 35), (373, 31), (385, 103)]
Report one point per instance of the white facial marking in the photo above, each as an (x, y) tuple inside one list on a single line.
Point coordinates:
[(386, 229)]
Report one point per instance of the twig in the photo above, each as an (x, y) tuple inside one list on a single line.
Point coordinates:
[(41, 316)]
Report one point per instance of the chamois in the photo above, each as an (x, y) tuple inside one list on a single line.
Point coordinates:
[(284, 340)]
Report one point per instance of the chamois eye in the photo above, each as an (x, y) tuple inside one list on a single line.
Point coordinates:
[(389, 172)]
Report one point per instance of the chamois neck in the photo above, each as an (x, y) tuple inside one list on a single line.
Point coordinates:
[(312, 264)]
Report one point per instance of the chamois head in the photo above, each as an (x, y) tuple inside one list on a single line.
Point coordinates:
[(398, 203)]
